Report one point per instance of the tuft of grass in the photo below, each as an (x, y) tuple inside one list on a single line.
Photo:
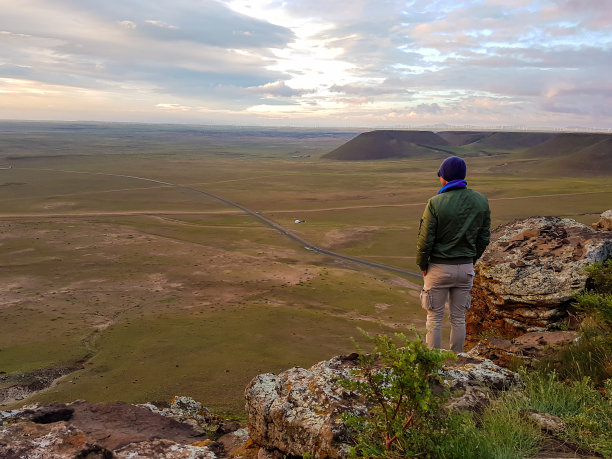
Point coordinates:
[(506, 433), (502, 432), (600, 276), (596, 304), (591, 355), (586, 412)]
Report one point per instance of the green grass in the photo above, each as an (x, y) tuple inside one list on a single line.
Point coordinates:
[(585, 411), (213, 357), (194, 271)]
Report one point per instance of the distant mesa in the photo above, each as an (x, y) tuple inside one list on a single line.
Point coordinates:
[(389, 144), (559, 150)]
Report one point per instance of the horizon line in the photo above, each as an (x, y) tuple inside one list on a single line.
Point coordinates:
[(432, 127)]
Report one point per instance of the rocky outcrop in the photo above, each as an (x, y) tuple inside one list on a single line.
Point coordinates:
[(529, 273), (298, 411), (604, 222), (19, 386), (114, 429)]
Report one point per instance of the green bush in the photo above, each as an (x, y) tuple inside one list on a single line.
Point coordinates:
[(407, 418), (397, 383), (597, 305), (600, 277)]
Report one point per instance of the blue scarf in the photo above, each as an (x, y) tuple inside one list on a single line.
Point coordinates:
[(452, 185)]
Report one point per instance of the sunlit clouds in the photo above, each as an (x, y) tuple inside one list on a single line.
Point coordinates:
[(366, 63)]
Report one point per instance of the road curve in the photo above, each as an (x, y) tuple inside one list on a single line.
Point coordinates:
[(307, 245)]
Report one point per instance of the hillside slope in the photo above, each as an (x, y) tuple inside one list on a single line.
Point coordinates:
[(390, 144), (582, 153)]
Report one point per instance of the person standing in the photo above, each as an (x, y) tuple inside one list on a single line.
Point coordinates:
[(453, 233)]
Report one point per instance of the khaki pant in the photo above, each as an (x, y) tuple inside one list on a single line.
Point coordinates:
[(452, 283)]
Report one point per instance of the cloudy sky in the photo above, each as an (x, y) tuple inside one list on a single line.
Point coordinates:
[(349, 63)]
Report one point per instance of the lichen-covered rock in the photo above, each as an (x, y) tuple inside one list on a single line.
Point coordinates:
[(529, 273), (604, 222), (60, 440), (298, 411), (111, 429), (187, 410), (50, 441), (163, 449)]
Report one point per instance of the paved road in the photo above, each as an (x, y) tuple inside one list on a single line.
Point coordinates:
[(307, 245)]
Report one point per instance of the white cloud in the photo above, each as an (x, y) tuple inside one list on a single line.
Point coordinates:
[(278, 89), (377, 61), (128, 24), (161, 24)]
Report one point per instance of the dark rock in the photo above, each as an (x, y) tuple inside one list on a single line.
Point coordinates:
[(50, 413), (94, 452), (473, 398), (114, 425), (234, 440)]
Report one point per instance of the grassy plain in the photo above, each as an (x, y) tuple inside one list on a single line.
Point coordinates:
[(161, 290)]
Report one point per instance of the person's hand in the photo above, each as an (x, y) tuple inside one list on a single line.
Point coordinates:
[(424, 273)]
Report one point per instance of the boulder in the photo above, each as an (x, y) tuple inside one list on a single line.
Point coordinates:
[(604, 222), (298, 411), (527, 276)]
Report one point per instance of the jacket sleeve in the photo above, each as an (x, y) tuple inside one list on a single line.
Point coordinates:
[(426, 237), (484, 235)]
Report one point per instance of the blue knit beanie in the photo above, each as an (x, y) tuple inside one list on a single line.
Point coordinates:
[(452, 168)]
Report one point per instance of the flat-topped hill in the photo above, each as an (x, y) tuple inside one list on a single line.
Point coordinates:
[(557, 151), (389, 144)]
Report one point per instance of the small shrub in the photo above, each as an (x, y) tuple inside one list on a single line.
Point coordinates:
[(407, 418), (600, 277), (397, 383)]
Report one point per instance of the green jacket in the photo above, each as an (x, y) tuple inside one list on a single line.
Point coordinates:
[(455, 228)]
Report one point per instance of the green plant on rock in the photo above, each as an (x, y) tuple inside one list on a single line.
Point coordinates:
[(600, 277), (396, 381), (596, 304), (591, 354)]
